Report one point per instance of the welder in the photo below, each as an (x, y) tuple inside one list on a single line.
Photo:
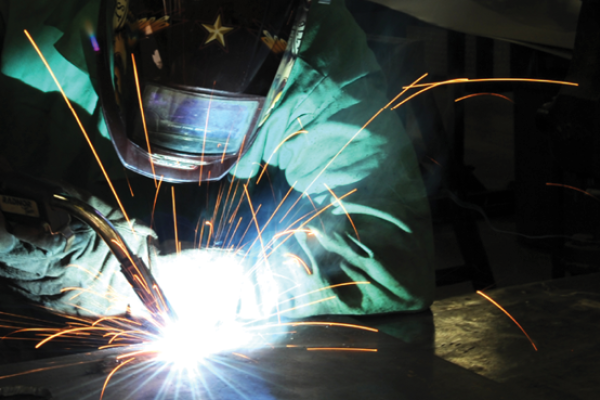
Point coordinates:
[(226, 87)]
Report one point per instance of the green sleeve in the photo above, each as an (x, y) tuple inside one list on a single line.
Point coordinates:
[(40, 136), (392, 245), (335, 88)]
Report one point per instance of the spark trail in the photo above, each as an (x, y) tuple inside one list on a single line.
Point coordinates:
[(488, 298), (81, 127)]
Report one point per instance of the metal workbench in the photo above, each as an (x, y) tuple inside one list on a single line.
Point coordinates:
[(562, 316), (490, 357), (396, 371)]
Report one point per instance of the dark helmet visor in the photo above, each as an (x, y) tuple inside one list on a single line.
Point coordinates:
[(197, 122)]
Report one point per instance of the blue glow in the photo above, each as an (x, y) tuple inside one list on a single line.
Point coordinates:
[(94, 43)]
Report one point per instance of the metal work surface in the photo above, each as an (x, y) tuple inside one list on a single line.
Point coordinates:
[(561, 316), (395, 371)]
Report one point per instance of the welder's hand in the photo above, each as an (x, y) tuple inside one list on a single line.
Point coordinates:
[(76, 274)]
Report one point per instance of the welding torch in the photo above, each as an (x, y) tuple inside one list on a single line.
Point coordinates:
[(32, 201)]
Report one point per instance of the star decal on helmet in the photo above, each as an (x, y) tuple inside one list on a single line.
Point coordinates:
[(276, 44), (217, 32)]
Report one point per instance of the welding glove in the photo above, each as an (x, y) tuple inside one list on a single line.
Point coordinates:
[(76, 275)]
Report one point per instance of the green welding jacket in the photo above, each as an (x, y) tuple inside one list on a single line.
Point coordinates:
[(366, 247)]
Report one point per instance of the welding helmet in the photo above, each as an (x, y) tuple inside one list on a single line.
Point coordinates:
[(186, 84)]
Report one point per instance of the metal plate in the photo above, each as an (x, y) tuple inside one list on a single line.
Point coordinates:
[(396, 371), (561, 316)]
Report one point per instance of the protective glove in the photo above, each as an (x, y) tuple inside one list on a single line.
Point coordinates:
[(79, 276)]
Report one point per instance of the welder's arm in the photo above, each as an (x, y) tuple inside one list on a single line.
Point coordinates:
[(76, 275), (392, 246)]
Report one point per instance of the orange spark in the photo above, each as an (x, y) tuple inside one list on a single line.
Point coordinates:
[(136, 353), (302, 218), (429, 86), (139, 93), (243, 356), (280, 204), (119, 244), (31, 371), (277, 149), (266, 171), (61, 333), (283, 233), (273, 214), (81, 291), (412, 96), (116, 319), (225, 147), (85, 134), (248, 227), (209, 232), (340, 349), (469, 96), (31, 330), (126, 333), (255, 222), (155, 200), (205, 132), (227, 200), (278, 313), (435, 162), (467, 80), (109, 346), (177, 247), (234, 231), (328, 287), (223, 220), (300, 261), (112, 373), (291, 208), (362, 129), (316, 210), (219, 200), (237, 208), (14, 327), (338, 324), (345, 211), (128, 183), (262, 245), (313, 217), (87, 271), (201, 236), (142, 282), (161, 298), (573, 188), (479, 292), (196, 232)]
